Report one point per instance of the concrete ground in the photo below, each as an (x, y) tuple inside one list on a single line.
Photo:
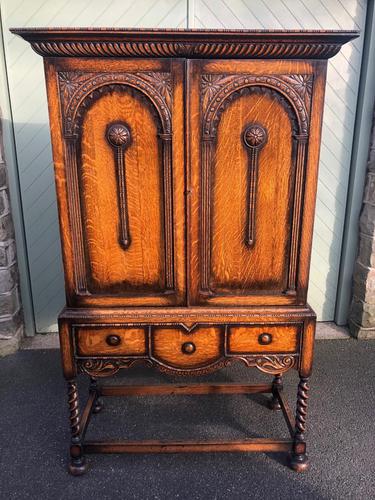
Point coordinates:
[(341, 438)]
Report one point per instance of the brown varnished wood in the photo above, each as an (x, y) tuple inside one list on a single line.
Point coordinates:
[(186, 166), (200, 43), (172, 389), (167, 346), (93, 341), (275, 264), (234, 266), (67, 350), (288, 415), (246, 338), (101, 271), (115, 270), (255, 444), (188, 316)]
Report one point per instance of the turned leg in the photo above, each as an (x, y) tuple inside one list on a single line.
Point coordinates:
[(277, 385), (98, 403), (299, 461), (77, 464)]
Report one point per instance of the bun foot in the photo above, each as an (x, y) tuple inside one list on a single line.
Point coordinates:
[(299, 463), (98, 406), (77, 467), (274, 405)]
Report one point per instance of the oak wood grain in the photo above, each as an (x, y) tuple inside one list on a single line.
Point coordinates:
[(167, 345), (186, 192), (245, 339), (93, 341), (108, 273)]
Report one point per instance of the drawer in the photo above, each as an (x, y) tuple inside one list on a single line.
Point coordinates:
[(118, 341), (180, 348), (263, 338)]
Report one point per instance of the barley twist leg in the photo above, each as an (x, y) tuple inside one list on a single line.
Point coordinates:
[(77, 464), (299, 461)]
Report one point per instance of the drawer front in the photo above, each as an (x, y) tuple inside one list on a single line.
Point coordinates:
[(180, 348), (119, 341), (263, 338)]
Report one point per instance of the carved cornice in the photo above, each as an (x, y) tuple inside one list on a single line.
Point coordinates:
[(94, 42), (77, 90)]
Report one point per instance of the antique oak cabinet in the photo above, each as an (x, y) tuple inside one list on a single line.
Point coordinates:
[(186, 167)]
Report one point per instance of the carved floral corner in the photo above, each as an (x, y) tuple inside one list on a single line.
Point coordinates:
[(303, 85)]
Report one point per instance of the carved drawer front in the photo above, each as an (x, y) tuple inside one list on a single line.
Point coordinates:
[(96, 341), (179, 348), (263, 338)]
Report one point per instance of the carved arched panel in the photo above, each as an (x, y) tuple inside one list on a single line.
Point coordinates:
[(253, 154), (118, 133)]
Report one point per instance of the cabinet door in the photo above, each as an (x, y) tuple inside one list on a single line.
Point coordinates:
[(253, 150), (117, 131)]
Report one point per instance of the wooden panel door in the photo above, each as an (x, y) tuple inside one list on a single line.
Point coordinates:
[(255, 150), (118, 150)]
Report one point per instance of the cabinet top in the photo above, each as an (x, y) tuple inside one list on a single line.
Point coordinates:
[(189, 43)]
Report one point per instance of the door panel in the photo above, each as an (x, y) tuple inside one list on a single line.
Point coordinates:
[(247, 172), (122, 132), (123, 227), (249, 197)]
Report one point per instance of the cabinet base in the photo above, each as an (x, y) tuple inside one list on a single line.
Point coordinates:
[(298, 463)]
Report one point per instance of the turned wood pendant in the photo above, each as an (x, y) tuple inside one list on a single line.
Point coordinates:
[(119, 137), (254, 138)]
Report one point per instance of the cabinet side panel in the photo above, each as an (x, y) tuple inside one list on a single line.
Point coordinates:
[(312, 170), (55, 123)]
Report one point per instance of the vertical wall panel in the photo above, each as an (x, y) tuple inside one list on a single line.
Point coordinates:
[(339, 115), (29, 107)]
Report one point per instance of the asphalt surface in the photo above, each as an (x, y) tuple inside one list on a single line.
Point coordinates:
[(34, 434)]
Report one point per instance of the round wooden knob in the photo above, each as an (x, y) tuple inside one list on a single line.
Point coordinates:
[(118, 135), (265, 338), (188, 348), (255, 136), (113, 340)]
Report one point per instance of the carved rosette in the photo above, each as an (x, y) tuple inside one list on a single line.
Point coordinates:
[(118, 135), (255, 136)]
